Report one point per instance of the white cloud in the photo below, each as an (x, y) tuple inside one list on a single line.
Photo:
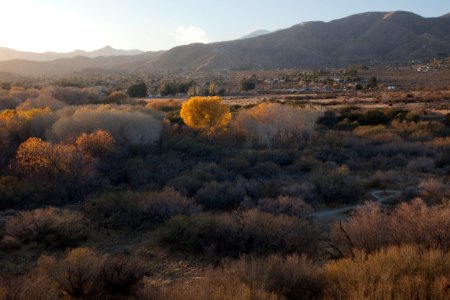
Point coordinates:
[(190, 34)]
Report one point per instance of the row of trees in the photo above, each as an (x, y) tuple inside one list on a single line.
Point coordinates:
[(268, 123)]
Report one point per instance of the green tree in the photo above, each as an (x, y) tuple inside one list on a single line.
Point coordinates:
[(168, 89), (137, 90), (248, 84)]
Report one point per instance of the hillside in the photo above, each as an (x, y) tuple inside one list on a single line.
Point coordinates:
[(362, 38), (373, 37)]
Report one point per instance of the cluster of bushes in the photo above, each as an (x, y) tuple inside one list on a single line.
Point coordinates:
[(48, 226), (406, 272), (208, 180), (137, 209), (52, 97), (237, 233), (128, 125), (173, 88), (371, 228), (82, 274)]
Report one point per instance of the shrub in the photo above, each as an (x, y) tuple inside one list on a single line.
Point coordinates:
[(277, 124), (187, 185), (406, 272), (266, 169), (434, 191), (22, 93), (50, 226), (72, 95), (274, 277), (117, 97), (371, 229), (293, 277), (87, 274), (98, 144), (335, 184), (329, 119), (127, 126), (165, 105), (9, 103), (22, 124), (120, 274), (285, 205), (62, 164), (215, 195), (382, 179), (18, 192), (421, 164), (373, 117), (377, 134), (239, 233), (77, 274), (133, 209), (45, 99)]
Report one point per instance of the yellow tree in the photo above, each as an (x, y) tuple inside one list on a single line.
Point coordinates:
[(205, 113)]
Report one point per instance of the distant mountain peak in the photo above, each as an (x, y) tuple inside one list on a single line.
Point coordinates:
[(445, 16), (255, 34)]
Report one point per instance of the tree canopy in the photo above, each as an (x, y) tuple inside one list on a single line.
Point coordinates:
[(137, 90)]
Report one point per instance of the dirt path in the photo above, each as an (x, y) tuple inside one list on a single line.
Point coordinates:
[(381, 197)]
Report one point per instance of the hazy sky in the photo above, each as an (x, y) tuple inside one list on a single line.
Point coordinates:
[(66, 25)]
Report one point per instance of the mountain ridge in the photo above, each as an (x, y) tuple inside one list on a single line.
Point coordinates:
[(10, 54), (365, 38), (254, 34)]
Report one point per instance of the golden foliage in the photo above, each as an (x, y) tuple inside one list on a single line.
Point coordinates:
[(274, 123), (205, 113), (99, 143), (27, 123), (36, 157)]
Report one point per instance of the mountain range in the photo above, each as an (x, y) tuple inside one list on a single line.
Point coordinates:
[(372, 37), (9, 54)]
